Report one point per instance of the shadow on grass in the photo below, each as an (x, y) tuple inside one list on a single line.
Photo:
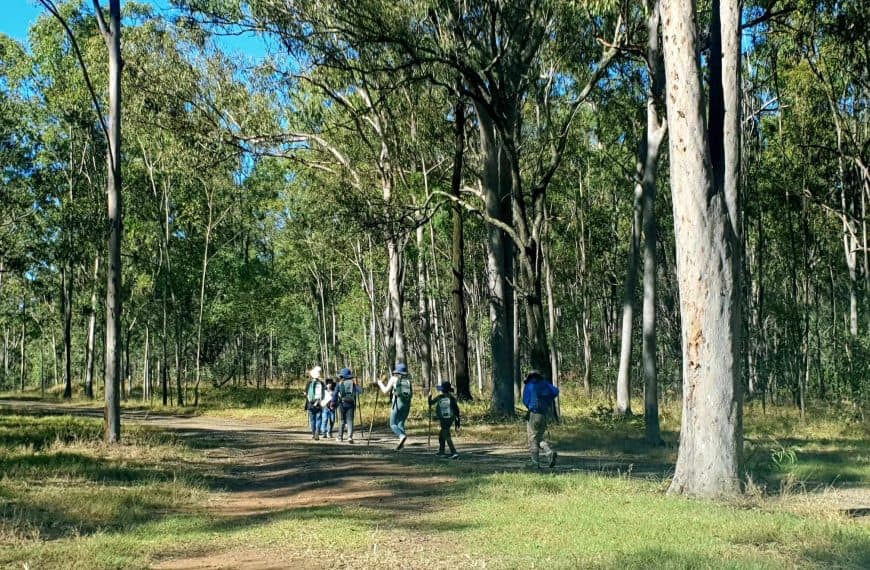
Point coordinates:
[(64, 464), (809, 461), (844, 552)]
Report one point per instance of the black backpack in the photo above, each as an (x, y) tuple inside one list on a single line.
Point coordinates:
[(444, 408)]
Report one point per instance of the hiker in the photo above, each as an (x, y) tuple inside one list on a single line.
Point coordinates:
[(447, 412), (327, 404), (399, 385), (345, 400), (313, 397), (539, 397)]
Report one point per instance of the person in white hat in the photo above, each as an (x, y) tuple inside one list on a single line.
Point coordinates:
[(313, 396)]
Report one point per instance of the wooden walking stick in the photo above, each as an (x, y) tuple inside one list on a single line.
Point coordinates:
[(429, 413), (358, 399), (372, 423)]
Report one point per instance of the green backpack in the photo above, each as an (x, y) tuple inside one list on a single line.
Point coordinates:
[(403, 389), (345, 391), (444, 408), (315, 392)]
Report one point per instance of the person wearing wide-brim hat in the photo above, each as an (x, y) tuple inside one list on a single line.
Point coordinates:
[(399, 386), (447, 412), (314, 391), (345, 398)]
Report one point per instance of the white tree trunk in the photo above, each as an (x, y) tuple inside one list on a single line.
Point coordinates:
[(423, 307), (91, 341), (711, 433), (623, 381), (396, 290)]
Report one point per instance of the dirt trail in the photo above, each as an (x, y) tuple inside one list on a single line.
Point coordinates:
[(265, 468), (270, 467)]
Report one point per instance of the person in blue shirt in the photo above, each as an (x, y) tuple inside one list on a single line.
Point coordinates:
[(539, 397), (346, 392)]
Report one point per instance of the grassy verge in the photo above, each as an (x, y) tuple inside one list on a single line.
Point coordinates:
[(61, 485), (68, 501)]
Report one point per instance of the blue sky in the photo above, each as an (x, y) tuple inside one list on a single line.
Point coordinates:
[(18, 15)]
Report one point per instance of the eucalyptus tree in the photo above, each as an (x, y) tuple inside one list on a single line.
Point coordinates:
[(111, 33), (704, 162), (19, 224), (518, 62)]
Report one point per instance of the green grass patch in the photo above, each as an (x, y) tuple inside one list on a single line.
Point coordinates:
[(60, 480), (67, 500), (586, 520)]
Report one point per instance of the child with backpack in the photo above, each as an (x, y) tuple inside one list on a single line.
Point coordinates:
[(313, 397), (345, 399), (399, 385), (539, 397), (447, 412), (327, 404)]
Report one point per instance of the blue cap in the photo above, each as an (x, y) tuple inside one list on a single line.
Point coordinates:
[(346, 374), (401, 368)]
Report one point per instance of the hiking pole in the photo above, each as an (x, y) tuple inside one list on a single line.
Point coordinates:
[(358, 398), (429, 429), (372, 423)]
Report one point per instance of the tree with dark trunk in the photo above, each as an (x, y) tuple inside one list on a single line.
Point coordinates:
[(462, 380), (111, 32)]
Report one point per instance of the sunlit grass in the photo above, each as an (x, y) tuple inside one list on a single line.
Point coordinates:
[(69, 501)]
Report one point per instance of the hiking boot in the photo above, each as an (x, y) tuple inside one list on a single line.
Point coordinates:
[(401, 442), (440, 454), (553, 456), (350, 441), (454, 456)]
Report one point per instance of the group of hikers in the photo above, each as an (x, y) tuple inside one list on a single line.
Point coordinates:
[(325, 398)]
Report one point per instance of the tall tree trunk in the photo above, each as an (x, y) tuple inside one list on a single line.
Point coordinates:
[(396, 292), (23, 347), (6, 355), (655, 131), (112, 35), (462, 378), (42, 364), (551, 316), (623, 381), (202, 299), (499, 263), (179, 375), (146, 371), (54, 356), (164, 377), (422, 303), (66, 310), (708, 463), (92, 329)]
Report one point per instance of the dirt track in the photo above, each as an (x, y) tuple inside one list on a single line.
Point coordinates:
[(267, 468)]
